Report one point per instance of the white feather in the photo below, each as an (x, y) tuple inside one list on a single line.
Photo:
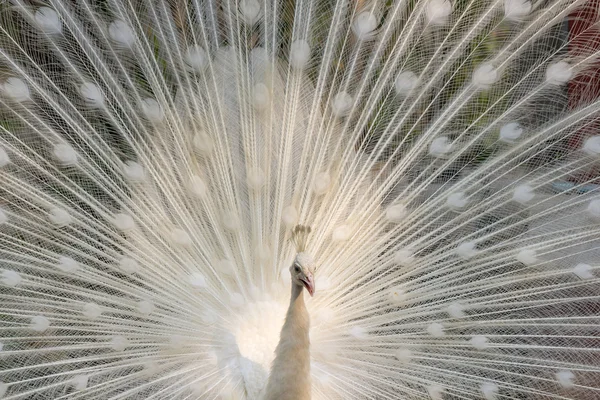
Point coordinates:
[(155, 155)]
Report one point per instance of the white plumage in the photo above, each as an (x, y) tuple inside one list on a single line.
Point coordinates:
[(155, 156)]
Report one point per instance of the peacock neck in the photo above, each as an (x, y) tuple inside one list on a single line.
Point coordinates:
[(290, 371), (297, 299), (297, 322)]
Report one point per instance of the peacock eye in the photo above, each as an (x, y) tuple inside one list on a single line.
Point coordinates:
[(296, 268)]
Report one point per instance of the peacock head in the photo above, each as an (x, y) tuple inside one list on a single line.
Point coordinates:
[(303, 267), (302, 271)]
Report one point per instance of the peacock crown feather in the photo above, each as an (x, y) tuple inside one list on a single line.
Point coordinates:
[(300, 237)]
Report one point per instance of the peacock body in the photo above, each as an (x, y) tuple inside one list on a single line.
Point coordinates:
[(155, 157)]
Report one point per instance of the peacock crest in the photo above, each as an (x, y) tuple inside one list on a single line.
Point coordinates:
[(299, 237)]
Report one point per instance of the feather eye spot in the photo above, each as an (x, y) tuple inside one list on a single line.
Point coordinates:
[(16, 90), (181, 237), (67, 264), (467, 250), (404, 257), (440, 147), (145, 307), (396, 213), (341, 233), (523, 194), (39, 323), (436, 392), (118, 343), (80, 382), (456, 310), (65, 154), (479, 342), (510, 132), (358, 332), (515, 10), (364, 24), (230, 221), (289, 216), (121, 33), (558, 73), (48, 20), (404, 355), (92, 310), (134, 171), (565, 378), (261, 96), (594, 209), (196, 58), (341, 104), (60, 217), (197, 187), (4, 157), (128, 265), (438, 11), (397, 295), (197, 280), (583, 271), (123, 222), (321, 183), (203, 143), (256, 179), (591, 146), (92, 94), (10, 278), (485, 75), (152, 110), (3, 216), (489, 390), (527, 257), (457, 201), (251, 11), (405, 83), (300, 53), (435, 329)]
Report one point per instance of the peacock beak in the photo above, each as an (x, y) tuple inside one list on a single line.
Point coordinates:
[(309, 284)]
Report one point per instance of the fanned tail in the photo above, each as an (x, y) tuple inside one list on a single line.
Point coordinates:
[(154, 157)]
